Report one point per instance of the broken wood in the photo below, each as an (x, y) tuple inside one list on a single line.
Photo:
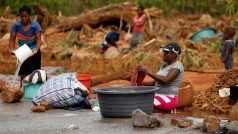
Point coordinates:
[(44, 18)]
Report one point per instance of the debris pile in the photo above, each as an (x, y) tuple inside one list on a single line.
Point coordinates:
[(209, 99)]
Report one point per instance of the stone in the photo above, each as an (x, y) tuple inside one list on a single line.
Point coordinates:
[(232, 126), (112, 52), (11, 94), (211, 124), (185, 123), (174, 122), (45, 104), (141, 119), (38, 109)]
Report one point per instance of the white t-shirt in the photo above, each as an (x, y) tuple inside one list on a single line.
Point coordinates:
[(172, 88)]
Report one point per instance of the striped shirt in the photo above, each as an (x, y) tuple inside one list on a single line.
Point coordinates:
[(26, 37)]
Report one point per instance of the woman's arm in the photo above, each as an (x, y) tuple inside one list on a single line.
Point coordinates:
[(149, 83), (11, 45), (173, 73)]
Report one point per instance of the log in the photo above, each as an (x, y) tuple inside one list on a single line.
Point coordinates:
[(93, 18), (110, 77), (44, 18)]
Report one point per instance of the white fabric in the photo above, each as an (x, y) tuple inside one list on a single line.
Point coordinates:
[(224, 92)]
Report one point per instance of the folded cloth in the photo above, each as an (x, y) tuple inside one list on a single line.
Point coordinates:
[(37, 76), (137, 77)]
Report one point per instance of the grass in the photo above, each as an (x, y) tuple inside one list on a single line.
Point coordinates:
[(75, 7)]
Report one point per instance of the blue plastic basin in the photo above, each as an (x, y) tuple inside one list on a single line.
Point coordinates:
[(30, 91), (204, 33)]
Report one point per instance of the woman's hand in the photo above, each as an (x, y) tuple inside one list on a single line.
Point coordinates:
[(143, 70), (35, 51)]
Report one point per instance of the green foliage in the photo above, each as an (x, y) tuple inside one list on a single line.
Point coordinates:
[(140, 56), (230, 8), (215, 47), (190, 62), (187, 60), (75, 7), (71, 40)]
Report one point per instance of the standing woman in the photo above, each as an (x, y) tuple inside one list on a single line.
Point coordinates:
[(27, 32), (138, 27)]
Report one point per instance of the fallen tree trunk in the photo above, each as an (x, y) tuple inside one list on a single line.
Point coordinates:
[(93, 18), (44, 18), (107, 78)]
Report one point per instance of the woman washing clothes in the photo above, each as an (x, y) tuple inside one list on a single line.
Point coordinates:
[(167, 79)]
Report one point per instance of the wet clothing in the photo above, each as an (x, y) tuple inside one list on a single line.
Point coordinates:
[(29, 38), (26, 37), (137, 77), (172, 88), (228, 46)]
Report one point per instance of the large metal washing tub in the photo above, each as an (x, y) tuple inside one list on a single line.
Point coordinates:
[(121, 101)]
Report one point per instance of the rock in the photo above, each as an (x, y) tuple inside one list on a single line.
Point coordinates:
[(174, 122), (38, 109), (141, 119), (232, 126), (45, 104), (197, 126), (72, 127), (234, 113), (112, 52), (211, 124), (185, 123), (11, 94)]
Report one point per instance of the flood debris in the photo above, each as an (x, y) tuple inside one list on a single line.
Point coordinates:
[(141, 119), (209, 100)]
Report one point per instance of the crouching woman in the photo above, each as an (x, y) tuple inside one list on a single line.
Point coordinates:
[(167, 79)]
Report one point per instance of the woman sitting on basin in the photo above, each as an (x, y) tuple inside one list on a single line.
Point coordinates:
[(167, 79)]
